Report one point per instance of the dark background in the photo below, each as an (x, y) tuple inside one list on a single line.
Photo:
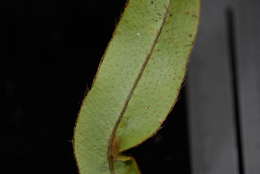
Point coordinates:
[(49, 54)]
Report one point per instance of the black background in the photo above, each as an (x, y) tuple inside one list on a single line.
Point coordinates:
[(50, 51)]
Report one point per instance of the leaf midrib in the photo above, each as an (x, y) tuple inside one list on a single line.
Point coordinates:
[(149, 55)]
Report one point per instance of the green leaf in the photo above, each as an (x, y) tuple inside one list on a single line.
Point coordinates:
[(137, 83)]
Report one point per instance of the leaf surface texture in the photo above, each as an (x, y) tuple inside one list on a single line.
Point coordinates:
[(137, 83)]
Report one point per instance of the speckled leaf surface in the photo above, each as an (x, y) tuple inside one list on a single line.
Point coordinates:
[(137, 83)]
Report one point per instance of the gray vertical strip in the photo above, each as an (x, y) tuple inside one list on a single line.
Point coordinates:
[(210, 97), (248, 27), (235, 85)]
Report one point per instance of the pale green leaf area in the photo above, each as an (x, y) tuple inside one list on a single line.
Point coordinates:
[(137, 83)]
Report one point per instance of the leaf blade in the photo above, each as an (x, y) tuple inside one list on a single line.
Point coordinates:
[(126, 56)]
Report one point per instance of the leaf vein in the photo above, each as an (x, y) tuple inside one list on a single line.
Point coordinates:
[(137, 80)]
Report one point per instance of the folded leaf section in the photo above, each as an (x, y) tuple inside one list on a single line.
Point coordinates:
[(158, 88)]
